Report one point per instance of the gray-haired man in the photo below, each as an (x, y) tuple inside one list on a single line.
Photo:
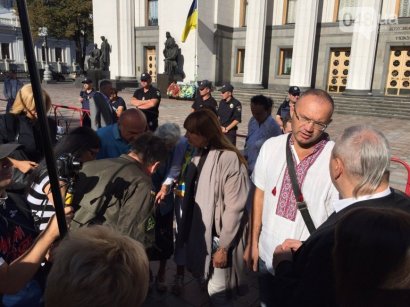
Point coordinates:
[(359, 168)]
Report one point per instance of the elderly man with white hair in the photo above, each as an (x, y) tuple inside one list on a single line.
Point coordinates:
[(359, 168)]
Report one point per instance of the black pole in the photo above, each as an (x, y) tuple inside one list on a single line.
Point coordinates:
[(42, 116)]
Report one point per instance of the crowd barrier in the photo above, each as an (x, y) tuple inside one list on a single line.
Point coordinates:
[(407, 167), (61, 118)]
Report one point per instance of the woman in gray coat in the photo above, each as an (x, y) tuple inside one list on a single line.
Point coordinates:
[(217, 186)]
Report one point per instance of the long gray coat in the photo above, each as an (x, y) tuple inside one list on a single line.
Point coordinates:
[(220, 200)]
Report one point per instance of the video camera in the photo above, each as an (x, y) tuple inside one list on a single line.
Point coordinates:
[(68, 166)]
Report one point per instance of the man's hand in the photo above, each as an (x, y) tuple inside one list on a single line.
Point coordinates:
[(23, 166), (285, 251), (291, 244), (251, 257), (220, 258), (165, 189)]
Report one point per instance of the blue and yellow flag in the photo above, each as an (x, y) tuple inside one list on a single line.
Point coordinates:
[(191, 20)]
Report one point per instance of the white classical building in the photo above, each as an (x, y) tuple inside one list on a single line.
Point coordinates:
[(12, 48), (359, 46)]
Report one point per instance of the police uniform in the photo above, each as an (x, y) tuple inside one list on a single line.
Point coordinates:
[(229, 111), (151, 113), (86, 106), (209, 103), (284, 109)]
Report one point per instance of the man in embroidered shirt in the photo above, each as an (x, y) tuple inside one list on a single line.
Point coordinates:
[(275, 216), (359, 168)]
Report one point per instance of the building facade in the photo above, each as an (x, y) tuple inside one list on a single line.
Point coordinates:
[(351, 46), (12, 47)]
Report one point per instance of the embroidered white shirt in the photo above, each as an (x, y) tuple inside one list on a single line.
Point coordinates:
[(317, 189)]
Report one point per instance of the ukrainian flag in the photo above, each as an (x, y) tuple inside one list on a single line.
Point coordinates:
[(191, 20)]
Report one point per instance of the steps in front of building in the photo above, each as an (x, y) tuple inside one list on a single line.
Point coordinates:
[(380, 106)]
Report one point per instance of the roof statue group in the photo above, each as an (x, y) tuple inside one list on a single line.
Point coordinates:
[(100, 58)]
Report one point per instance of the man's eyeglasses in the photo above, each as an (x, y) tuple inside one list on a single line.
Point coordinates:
[(304, 120)]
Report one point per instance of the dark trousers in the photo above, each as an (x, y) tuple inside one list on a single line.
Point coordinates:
[(10, 102), (231, 135), (86, 120), (266, 282)]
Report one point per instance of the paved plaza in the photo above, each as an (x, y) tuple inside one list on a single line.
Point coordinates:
[(397, 131)]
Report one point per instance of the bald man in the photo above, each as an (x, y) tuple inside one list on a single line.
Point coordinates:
[(116, 138)]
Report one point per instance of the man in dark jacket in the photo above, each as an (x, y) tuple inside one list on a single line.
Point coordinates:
[(359, 169), (117, 192), (101, 111)]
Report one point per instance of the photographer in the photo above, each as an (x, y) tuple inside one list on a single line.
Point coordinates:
[(80, 146), (20, 253)]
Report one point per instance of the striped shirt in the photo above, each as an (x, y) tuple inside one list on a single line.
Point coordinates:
[(37, 198)]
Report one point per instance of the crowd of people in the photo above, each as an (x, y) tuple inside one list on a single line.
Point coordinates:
[(315, 218)]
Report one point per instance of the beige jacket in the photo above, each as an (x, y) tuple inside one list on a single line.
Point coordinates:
[(220, 199)]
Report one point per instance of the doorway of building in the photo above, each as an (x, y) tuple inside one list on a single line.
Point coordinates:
[(338, 69), (398, 78), (151, 62)]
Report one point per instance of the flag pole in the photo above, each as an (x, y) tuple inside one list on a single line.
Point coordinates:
[(196, 42)]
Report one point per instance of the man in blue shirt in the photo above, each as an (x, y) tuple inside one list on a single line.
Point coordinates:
[(116, 138), (261, 127)]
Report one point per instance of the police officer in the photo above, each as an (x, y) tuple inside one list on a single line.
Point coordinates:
[(205, 98), (287, 106), (229, 112), (86, 94), (147, 99)]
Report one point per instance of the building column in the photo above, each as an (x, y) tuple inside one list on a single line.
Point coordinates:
[(255, 42), (363, 50), (126, 39), (304, 43)]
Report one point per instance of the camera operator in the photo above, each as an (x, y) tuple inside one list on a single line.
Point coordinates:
[(118, 192), (79, 146), (18, 261)]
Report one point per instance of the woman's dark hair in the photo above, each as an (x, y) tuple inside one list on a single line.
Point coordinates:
[(76, 142), (114, 91), (285, 120), (205, 123), (371, 253)]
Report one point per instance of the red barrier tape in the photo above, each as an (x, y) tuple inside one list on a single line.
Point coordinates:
[(75, 109)]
